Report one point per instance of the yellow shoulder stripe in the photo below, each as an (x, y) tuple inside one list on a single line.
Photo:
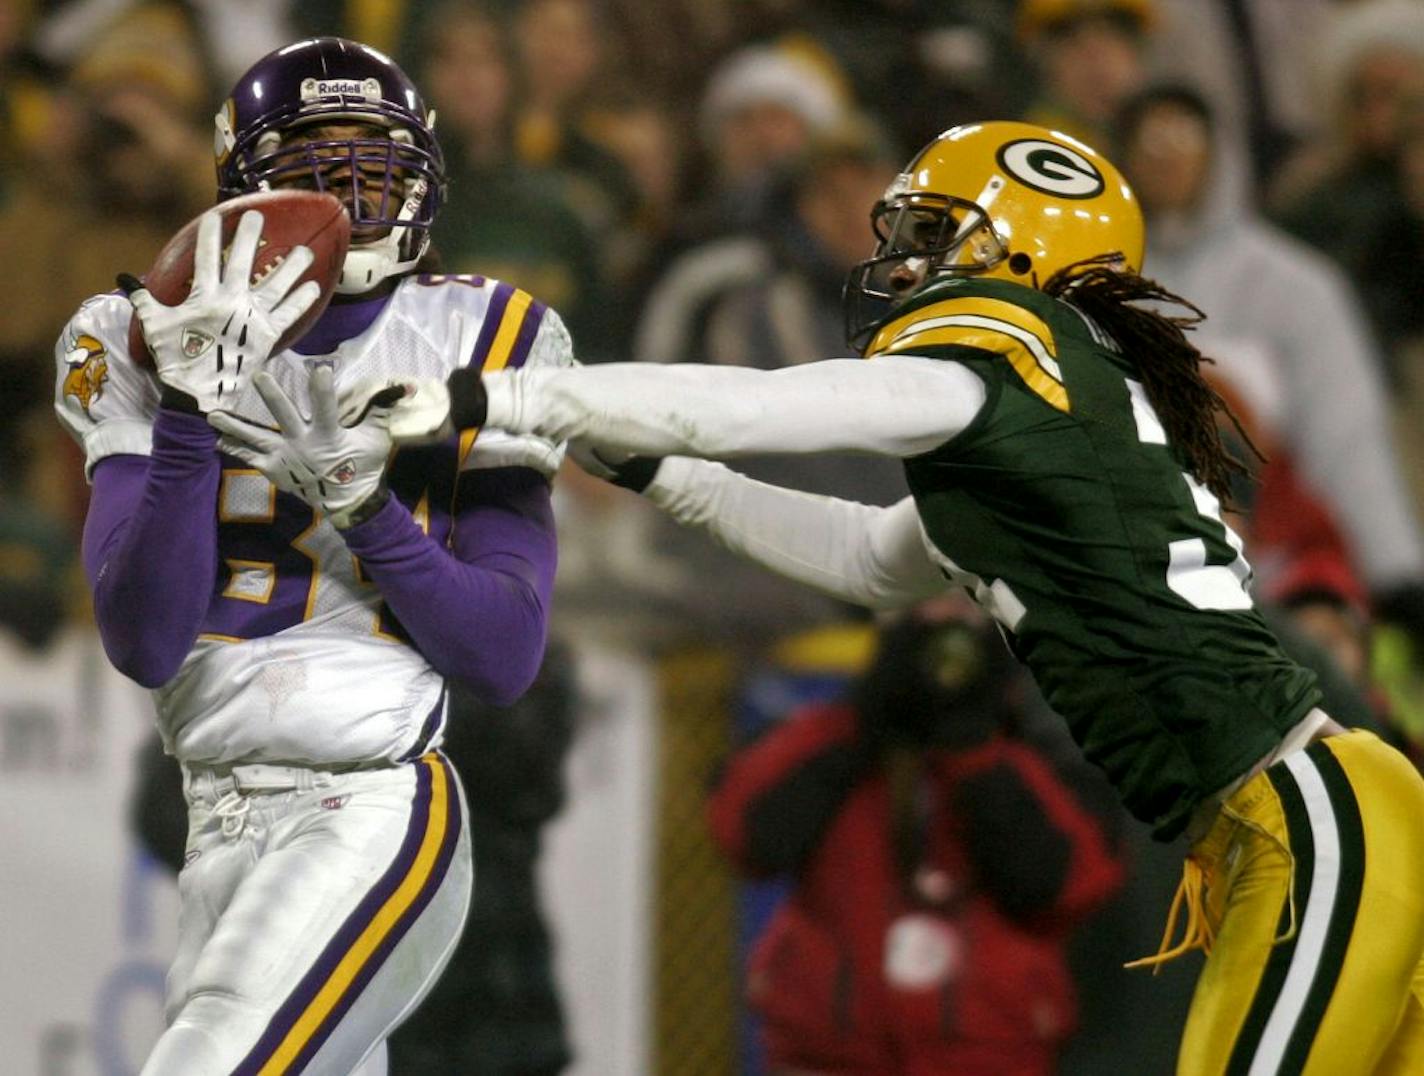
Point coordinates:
[(987, 324), (499, 353)]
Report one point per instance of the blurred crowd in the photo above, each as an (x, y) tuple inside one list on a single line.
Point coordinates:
[(690, 181)]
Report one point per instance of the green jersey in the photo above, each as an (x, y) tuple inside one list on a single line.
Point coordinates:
[(1066, 510)]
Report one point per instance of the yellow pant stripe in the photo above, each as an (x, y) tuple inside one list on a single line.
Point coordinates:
[(1315, 885), (380, 925)]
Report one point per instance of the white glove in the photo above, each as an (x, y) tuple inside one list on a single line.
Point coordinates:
[(211, 343), (334, 468), (430, 410), (420, 417)]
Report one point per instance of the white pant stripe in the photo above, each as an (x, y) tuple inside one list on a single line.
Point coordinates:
[(1314, 918)]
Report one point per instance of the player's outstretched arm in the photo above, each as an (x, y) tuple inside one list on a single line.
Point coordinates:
[(866, 555), (899, 406)]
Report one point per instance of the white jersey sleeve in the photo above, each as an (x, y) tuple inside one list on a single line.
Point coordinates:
[(863, 554), (900, 406), (102, 397)]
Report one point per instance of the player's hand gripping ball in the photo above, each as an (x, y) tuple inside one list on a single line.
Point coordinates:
[(234, 287)]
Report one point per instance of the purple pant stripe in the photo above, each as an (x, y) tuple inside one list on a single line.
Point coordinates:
[(311, 983), (373, 964)]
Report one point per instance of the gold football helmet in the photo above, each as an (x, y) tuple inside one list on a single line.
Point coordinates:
[(1011, 201)]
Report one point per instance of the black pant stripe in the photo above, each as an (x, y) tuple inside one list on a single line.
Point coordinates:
[(1347, 903), (1268, 989)]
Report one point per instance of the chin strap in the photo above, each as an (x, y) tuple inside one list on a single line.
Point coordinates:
[(367, 265)]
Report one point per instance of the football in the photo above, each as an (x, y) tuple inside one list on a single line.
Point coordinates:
[(289, 219)]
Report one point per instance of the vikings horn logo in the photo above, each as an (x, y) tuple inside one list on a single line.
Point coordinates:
[(223, 137), (88, 370)]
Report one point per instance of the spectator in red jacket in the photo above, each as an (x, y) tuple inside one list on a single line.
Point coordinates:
[(939, 866)]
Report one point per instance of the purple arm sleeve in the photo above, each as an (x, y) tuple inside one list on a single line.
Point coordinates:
[(150, 547), (481, 614)]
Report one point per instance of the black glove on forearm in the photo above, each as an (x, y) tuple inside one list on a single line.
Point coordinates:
[(469, 403), (635, 473)]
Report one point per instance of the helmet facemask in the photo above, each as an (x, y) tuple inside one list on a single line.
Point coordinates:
[(921, 236), (1055, 204), (388, 184), (331, 114)]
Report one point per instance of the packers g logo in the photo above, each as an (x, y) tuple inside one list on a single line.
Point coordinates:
[(88, 369), (1051, 168)]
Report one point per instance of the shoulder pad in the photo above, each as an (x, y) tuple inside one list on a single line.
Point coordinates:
[(531, 335), (987, 316), (509, 319), (102, 398)]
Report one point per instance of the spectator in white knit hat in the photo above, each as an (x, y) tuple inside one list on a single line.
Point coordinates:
[(1347, 194), (761, 110)]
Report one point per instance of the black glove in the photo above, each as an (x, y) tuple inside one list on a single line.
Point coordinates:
[(632, 472), (469, 403)]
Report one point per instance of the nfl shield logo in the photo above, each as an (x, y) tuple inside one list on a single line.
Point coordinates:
[(195, 342), (344, 472)]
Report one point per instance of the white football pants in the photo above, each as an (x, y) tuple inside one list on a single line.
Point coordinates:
[(317, 910)]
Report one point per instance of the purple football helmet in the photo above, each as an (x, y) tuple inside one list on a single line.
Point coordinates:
[(392, 183)]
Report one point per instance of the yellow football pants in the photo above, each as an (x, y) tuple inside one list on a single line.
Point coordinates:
[(1312, 901)]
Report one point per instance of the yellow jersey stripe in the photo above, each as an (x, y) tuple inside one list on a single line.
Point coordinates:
[(370, 939), (515, 312), (1032, 343), (1039, 381), (969, 305), (988, 325)]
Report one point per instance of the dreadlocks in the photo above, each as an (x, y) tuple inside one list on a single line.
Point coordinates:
[(1169, 365)]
